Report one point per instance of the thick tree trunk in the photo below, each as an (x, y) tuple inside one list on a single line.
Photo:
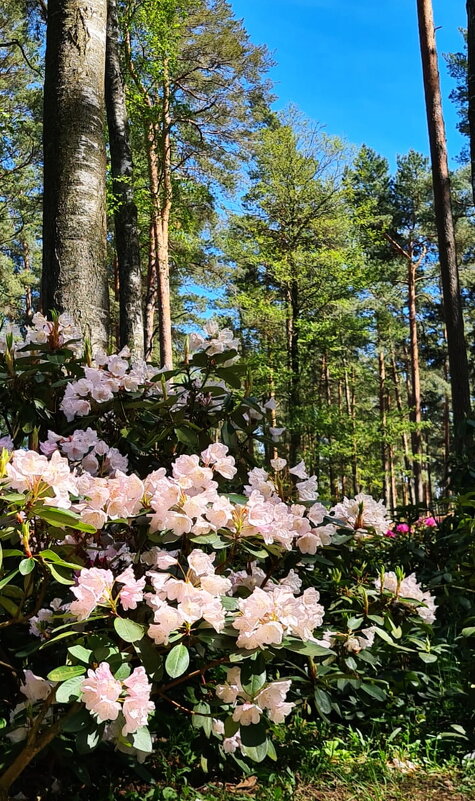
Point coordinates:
[(131, 326), (75, 275), (459, 375), (471, 84)]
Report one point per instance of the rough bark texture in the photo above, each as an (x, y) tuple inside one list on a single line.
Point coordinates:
[(471, 84), (131, 324), (74, 221), (459, 376)]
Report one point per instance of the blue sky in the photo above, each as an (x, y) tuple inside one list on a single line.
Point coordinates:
[(354, 65)]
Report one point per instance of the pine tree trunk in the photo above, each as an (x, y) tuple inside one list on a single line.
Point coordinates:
[(459, 375), (406, 488), (131, 326), (471, 84), (383, 420), (416, 437), (160, 219), (294, 363), (28, 294), (331, 468), (164, 301), (75, 277), (151, 294)]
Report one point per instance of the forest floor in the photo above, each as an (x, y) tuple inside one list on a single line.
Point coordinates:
[(443, 785)]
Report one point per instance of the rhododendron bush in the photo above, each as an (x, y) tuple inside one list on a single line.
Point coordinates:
[(125, 590)]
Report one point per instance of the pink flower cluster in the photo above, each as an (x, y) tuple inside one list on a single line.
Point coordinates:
[(108, 376), (363, 514), (247, 710), (85, 449), (28, 471), (95, 588), (215, 341), (102, 695), (266, 617), (408, 590)]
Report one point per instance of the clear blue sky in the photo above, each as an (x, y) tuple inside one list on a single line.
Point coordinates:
[(354, 65)]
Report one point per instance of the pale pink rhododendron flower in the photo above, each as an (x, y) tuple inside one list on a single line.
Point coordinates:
[(35, 688), (94, 588), (266, 617), (131, 593), (100, 693), (409, 588), (299, 471), (137, 705), (362, 513)]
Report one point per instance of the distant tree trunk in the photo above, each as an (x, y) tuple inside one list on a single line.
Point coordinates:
[(405, 444), (350, 410), (75, 277), (294, 365), (383, 420), (28, 294), (331, 467), (471, 84), (459, 375), (131, 330), (160, 216), (416, 436), (151, 295)]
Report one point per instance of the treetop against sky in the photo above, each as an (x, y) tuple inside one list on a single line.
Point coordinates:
[(354, 65)]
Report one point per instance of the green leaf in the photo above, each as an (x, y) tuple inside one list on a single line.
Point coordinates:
[(254, 735), (374, 691), (142, 740), (177, 661), (253, 676), (202, 721), (61, 518), (128, 630), (427, 658), (468, 632), (6, 580), (58, 574), (230, 727), (66, 672), (306, 648), (80, 653), (256, 753), (69, 690), (26, 566), (322, 701)]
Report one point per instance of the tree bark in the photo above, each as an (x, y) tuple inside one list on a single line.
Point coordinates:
[(459, 375), (131, 325), (471, 84), (75, 276), (416, 436), (294, 365), (383, 420), (151, 295), (406, 487)]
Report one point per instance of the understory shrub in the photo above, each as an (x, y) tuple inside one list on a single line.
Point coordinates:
[(151, 570)]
